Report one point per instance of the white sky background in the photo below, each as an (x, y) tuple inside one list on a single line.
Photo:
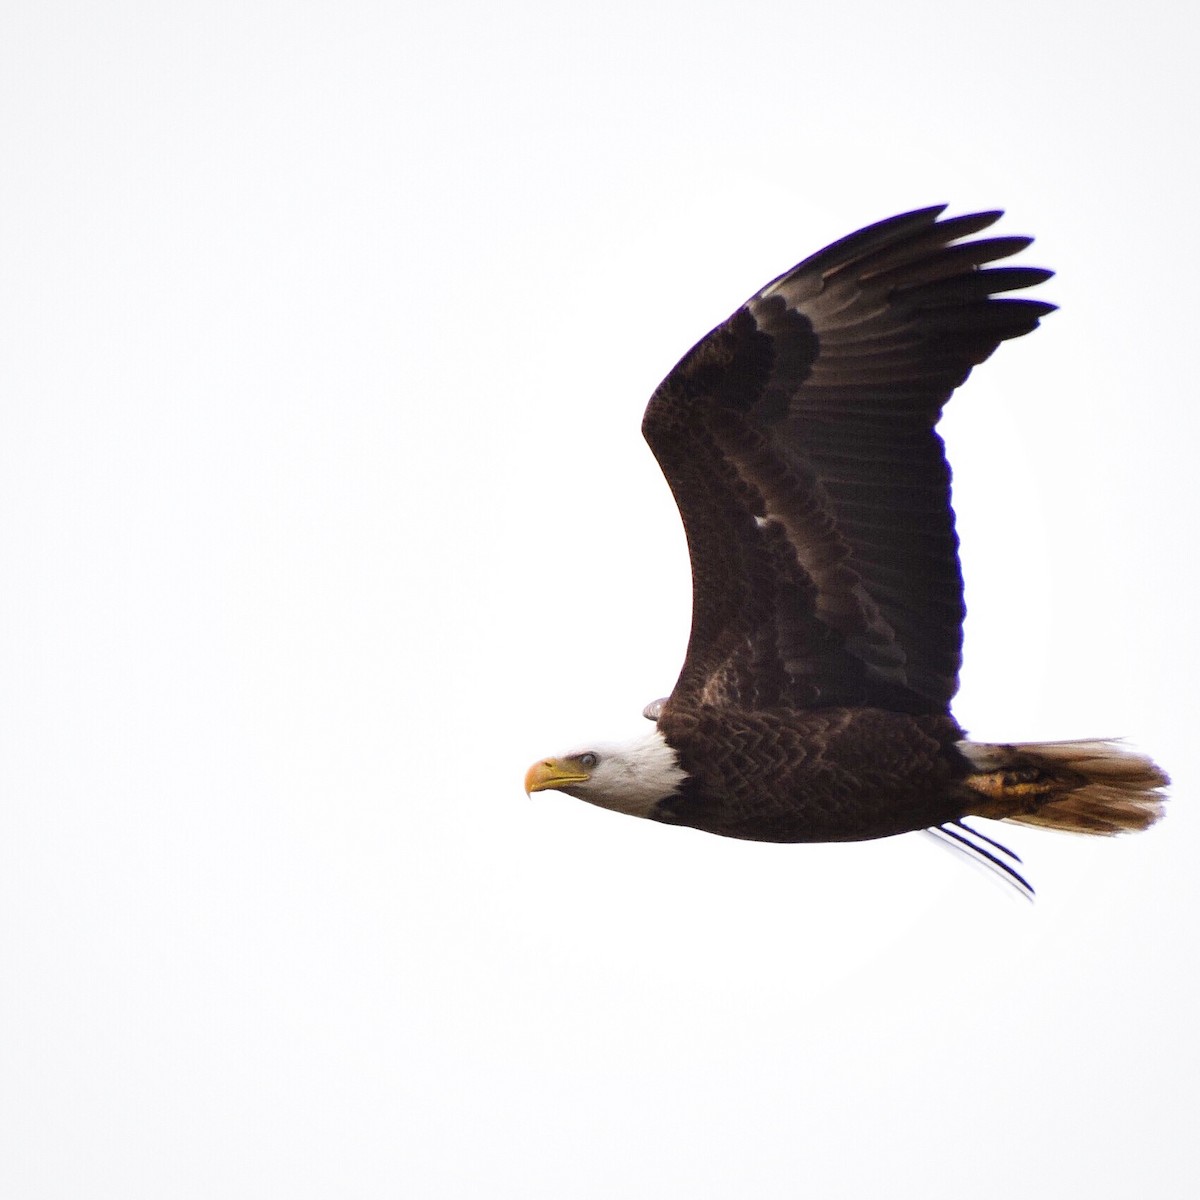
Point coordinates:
[(327, 334)]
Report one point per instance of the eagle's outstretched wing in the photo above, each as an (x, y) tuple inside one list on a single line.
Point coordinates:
[(798, 439)]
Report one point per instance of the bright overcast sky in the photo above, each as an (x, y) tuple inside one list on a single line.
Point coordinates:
[(327, 329)]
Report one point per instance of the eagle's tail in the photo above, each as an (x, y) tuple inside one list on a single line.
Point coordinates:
[(1096, 786)]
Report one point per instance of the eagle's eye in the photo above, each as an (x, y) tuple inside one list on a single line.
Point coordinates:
[(588, 760)]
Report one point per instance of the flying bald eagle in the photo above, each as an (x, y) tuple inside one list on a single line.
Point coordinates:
[(827, 603)]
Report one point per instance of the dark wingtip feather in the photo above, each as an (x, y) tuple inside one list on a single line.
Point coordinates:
[(855, 245), (1013, 279), (965, 224), (1001, 318)]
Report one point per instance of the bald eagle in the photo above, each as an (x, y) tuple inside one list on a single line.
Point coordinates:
[(799, 441)]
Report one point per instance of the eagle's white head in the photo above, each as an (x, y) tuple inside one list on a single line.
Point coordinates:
[(629, 777)]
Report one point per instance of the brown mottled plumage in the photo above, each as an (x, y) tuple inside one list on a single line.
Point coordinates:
[(821, 775), (798, 439)]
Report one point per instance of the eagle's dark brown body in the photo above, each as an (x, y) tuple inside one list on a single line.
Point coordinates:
[(799, 441), (821, 775)]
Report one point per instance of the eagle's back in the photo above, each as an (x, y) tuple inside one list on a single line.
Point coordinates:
[(833, 774)]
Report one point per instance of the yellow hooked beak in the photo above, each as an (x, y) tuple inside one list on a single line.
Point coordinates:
[(553, 773)]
